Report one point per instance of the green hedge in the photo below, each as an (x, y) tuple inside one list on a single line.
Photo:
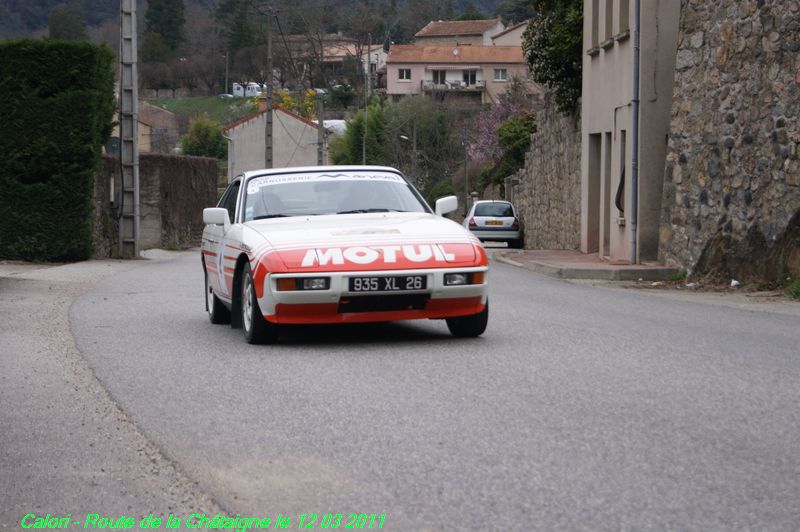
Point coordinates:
[(57, 106)]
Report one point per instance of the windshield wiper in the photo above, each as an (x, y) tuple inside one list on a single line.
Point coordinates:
[(266, 216), (357, 211)]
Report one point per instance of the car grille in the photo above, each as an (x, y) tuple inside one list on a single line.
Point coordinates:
[(383, 303)]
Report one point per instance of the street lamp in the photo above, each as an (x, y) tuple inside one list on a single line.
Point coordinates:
[(413, 155)]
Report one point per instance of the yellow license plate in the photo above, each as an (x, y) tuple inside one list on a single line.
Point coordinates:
[(494, 222)]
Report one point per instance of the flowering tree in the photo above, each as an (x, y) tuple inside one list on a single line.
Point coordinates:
[(307, 107), (484, 146)]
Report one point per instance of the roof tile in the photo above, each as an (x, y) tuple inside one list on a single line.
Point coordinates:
[(445, 28), (409, 53)]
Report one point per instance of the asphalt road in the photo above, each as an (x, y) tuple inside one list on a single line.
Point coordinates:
[(580, 408)]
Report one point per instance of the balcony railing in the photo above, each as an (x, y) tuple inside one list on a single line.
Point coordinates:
[(430, 86)]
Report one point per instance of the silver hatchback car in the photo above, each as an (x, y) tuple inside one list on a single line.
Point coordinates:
[(495, 221)]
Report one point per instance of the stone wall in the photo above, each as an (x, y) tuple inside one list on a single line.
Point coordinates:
[(173, 190), (105, 228), (731, 203), (548, 193)]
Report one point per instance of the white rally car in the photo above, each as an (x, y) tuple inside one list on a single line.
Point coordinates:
[(338, 245)]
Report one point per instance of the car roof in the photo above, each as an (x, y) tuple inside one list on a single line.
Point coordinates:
[(300, 169), (492, 201)]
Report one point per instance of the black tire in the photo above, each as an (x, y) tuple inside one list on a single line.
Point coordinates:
[(469, 326), (516, 244), (257, 330), (218, 313)]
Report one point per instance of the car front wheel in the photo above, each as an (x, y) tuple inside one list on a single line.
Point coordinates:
[(257, 330), (469, 326)]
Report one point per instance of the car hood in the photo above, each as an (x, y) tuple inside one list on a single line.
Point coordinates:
[(367, 241)]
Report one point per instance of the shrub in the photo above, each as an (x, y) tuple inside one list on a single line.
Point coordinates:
[(441, 189), (205, 139), (793, 290), (57, 104)]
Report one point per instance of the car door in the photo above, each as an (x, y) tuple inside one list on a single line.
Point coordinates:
[(216, 239)]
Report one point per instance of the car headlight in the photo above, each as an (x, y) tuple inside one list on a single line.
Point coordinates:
[(460, 279), (303, 283)]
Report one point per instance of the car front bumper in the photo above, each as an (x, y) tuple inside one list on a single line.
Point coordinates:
[(338, 304)]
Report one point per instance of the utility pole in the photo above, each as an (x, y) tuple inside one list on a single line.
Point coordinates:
[(128, 243), (414, 154), (320, 130), (364, 138), (369, 68), (366, 108), (466, 171), (268, 127)]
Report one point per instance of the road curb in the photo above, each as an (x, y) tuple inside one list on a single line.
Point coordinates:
[(617, 274)]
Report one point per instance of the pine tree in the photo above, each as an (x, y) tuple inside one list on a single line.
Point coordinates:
[(241, 33), (166, 18), (68, 22)]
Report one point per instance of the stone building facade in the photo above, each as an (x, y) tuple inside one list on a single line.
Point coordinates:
[(731, 197), (547, 192)]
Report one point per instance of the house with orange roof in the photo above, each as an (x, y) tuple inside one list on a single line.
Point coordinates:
[(452, 32), (469, 74)]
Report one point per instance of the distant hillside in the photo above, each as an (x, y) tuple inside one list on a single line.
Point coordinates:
[(22, 18)]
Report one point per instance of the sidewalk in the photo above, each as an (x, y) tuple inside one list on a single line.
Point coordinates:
[(67, 446), (570, 264)]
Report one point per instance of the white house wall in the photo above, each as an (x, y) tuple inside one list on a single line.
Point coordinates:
[(294, 143), (607, 120)]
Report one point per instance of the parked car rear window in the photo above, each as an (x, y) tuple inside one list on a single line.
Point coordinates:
[(494, 209)]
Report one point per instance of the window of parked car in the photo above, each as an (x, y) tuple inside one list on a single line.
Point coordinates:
[(500, 210)]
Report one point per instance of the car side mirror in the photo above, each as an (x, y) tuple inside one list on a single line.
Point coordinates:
[(446, 205), (216, 216)]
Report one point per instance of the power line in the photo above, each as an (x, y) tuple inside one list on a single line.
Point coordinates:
[(288, 51)]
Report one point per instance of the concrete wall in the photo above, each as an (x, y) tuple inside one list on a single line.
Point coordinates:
[(496, 88), (475, 40), (173, 192), (548, 192), (607, 123), (294, 143), (395, 85), (512, 38), (731, 198), (105, 228), (143, 133)]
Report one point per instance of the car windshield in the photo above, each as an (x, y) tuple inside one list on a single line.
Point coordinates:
[(317, 193), (502, 210)]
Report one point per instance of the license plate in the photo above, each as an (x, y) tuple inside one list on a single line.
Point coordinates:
[(396, 283), (494, 222)]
